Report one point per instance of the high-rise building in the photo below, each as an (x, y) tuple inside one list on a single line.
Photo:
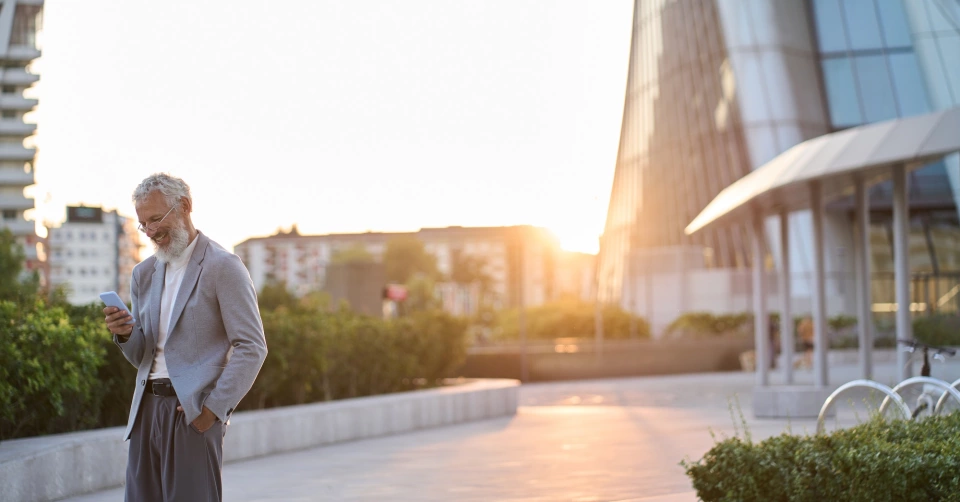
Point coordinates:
[(91, 252), (20, 22), (717, 88)]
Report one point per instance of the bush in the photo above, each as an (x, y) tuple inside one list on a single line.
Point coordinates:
[(938, 329), (877, 460), (708, 324), (321, 356), (49, 370), (568, 318)]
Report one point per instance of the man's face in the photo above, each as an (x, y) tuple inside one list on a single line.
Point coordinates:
[(170, 236)]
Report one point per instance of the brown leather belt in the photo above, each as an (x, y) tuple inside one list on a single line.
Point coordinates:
[(161, 387)]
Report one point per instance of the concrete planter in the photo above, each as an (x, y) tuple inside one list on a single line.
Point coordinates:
[(64, 465)]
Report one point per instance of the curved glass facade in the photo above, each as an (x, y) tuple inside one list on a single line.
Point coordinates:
[(681, 140), (719, 87)]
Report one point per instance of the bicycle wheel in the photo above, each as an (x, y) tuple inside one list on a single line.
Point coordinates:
[(926, 396), (945, 404), (857, 401)]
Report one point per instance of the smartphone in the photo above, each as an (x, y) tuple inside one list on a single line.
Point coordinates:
[(112, 299)]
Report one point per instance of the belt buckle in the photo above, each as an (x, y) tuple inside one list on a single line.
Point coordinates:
[(158, 388)]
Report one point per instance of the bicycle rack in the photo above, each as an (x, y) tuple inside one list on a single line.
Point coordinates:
[(940, 402), (870, 384), (947, 388)]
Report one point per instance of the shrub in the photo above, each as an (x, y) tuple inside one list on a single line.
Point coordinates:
[(568, 318), (938, 329), (49, 370), (321, 356), (877, 460), (708, 324)]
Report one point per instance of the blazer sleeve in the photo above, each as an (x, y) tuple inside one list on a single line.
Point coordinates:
[(135, 345), (240, 313)]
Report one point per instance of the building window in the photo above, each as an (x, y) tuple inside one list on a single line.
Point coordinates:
[(9, 214)]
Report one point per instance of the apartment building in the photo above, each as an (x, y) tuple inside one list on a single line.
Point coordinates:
[(93, 251), (20, 21), (516, 262)]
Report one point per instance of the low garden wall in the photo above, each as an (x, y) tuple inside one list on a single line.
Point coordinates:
[(63, 465)]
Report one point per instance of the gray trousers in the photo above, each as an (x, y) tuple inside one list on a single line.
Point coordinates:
[(168, 460)]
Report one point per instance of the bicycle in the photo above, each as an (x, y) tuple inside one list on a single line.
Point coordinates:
[(929, 394)]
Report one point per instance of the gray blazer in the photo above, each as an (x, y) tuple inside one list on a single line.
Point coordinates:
[(215, 345)]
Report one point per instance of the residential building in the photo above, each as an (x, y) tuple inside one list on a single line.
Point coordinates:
[(500, 253), (20, 22), (93, 251), (717, 88)]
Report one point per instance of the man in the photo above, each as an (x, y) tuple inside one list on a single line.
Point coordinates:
[(197, 341)]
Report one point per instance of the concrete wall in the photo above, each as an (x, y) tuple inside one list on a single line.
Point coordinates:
[(577, 358), (63, 465)]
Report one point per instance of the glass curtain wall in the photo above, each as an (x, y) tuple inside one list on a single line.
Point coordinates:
[(871, 73), (681, 141)]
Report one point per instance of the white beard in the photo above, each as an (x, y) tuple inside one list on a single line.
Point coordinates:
[(178, 238)]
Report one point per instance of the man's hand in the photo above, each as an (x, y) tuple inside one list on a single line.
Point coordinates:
[(204, 421), (117, 320)]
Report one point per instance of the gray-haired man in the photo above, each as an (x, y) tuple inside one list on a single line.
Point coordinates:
[(197, 343)]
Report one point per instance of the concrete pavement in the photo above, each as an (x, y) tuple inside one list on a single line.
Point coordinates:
[(598, 440)]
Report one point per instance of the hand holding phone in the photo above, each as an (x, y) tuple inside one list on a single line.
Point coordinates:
[(112, 299)]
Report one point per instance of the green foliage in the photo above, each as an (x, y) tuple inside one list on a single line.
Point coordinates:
[(877, 460), (468, 269), (354, 254), (938, 329), (275, 295), (321, 356), (49, 367), (420, 296), (13, 286), (568, 317), (709, 324), (695, 324), (406, 257)]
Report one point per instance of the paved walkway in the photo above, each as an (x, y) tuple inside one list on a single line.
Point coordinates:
[(598, 440)]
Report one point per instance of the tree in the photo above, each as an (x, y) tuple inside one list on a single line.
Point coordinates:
[(11, 265), (356, 253), (406, 257), (276, 295), (469, 269)]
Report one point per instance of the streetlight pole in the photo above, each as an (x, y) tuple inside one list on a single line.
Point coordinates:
[(522, 328)]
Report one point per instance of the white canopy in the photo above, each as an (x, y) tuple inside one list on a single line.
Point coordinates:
[(835, 160)]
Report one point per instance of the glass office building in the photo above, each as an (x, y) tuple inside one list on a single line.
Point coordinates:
[(717, 88)]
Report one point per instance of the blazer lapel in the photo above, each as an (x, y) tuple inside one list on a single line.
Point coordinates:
[(156, 295), (190, 277)]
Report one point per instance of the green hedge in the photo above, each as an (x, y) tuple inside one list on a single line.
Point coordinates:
[(61, 372), (568, 318), (319, 356), (876, 460), (938, 329)]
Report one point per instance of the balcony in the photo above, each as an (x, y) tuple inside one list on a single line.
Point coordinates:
[(15, 127), (19, 227), (17, 102), (16, 152), (10, 176), (15, 202), (22, 53), (18, 76)]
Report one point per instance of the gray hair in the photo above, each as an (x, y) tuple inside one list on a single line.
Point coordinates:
[(172, 188)]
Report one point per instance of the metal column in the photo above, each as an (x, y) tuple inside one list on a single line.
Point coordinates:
[(761, 326), (819, 289), (901, 266), (786, 315), (861, 251)]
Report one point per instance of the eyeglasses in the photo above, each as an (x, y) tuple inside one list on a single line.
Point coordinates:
[(152, 227)]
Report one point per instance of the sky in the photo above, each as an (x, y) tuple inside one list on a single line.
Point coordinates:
[(339, 117)]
